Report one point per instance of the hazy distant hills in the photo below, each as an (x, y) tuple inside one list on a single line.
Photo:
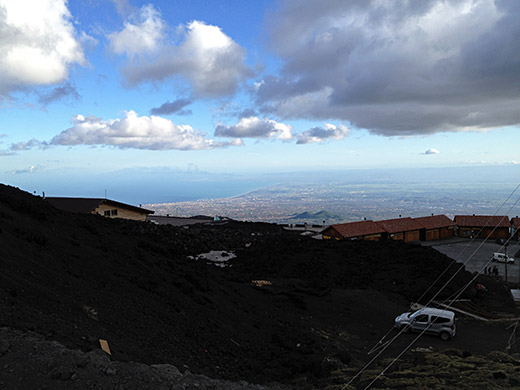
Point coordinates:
[(376, 195)]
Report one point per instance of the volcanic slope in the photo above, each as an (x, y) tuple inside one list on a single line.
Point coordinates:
[(282, 310)]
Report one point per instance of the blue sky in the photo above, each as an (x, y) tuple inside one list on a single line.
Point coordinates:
[(91, 88)]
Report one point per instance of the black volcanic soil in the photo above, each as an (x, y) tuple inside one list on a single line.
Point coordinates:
[(75, 279)]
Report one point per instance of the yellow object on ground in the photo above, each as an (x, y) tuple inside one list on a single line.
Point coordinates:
[(104, 346)]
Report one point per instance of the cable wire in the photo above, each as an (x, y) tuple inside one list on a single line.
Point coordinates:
[(447, 307), (378, 344), (440, 290)]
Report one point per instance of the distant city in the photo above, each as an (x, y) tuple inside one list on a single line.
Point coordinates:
[(355, 197)]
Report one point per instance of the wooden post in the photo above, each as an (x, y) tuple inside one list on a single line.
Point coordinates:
[(505, 253)]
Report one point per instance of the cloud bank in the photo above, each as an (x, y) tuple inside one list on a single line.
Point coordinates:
[(130, 132), (210, 61), (137, 132), (432, 151), (38, 44), (396, 68)]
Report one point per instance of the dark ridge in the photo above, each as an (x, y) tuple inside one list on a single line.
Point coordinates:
[(78, 278)]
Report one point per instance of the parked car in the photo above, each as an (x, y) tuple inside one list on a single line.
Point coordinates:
[(502, 258), (430, 320)]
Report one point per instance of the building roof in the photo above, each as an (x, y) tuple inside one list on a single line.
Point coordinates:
[(399, 225), (356, 229), (435, 222), (482, 220), (88, 205)]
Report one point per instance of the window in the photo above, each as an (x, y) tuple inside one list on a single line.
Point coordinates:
[(107, 213), (421, 318), (114, 212), (440, 320)]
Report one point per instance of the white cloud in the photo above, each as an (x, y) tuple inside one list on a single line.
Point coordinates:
[(432, 151), (31, 169), (38, 44), (396, 68), (137, 132), (209, 60), (322, 134), (254, 127), (141, 34)]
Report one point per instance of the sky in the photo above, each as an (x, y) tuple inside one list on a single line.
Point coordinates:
[(104, 93)]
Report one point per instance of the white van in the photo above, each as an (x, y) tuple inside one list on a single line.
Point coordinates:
[(502, 258), (430, 320)]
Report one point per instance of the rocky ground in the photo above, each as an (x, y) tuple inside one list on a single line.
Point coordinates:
[(287, 311)]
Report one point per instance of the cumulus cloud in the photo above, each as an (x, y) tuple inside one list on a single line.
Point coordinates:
[(58, 93), (38, 44), (432, 151), (137, 132), (396, 68), (142, 33), (209, 60), (254, 127), (321, 134), (175, 107)]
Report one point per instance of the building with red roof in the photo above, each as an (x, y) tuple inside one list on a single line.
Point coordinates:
[(362, 230), (515, 224), (483, 226), (405, 229), (436, 227)]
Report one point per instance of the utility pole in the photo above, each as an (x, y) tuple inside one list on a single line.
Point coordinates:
[(506, 259)]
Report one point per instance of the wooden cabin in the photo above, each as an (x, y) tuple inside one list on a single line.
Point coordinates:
[(483, 226), (362, 230), (436, 227), (405, 229), (105, 207), (515, 226)]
